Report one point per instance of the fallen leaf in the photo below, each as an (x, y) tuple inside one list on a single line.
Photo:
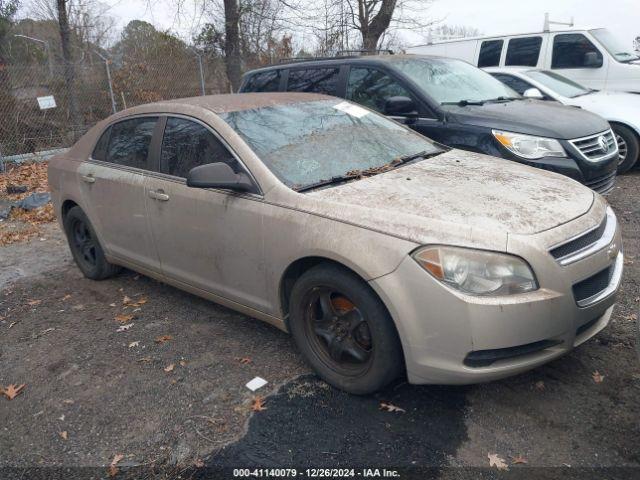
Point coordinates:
[(12, 391), (144, 359), (496, 461), (66, 297), (519, 460), (68, 402), (633, 317), (130, 303), (124, 328), (163, 339), (126, 300), (64, 435), (183, 363), (113, 470), (134, 344), (258, 404), (170, 367), (112, 304), (34, 302), (243, 360), (122, 318), (597, 377), (390, 407), (539, 385), (198, 463)]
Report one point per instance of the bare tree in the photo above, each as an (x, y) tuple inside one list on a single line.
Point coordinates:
[(69, 67), (232, 43)]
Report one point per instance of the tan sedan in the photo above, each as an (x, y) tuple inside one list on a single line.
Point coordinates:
[(380, 251)]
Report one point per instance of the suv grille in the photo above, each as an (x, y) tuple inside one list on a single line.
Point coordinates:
[(593, 285), (602, 184), (591, 147)]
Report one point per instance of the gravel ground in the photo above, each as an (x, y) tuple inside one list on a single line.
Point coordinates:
[(109, 395)]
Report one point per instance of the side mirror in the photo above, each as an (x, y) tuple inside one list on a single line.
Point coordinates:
[(533, 93), (592, 60), (219, 175), (400, 107)]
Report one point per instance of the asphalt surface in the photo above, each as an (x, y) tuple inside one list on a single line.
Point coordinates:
[(113, 396)]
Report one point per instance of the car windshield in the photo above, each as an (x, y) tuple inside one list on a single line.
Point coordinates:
[(450, 81), (614, 46), (307, 143), (559, 84)]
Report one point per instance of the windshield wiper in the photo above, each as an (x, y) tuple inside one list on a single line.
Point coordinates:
[(416, 156), (503, 99), (327, 181), (464, 103)]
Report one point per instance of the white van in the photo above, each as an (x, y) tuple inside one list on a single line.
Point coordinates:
[(594, 58)]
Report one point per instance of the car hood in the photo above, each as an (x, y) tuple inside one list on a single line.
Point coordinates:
[(531, 117), (611, 105), (480, 195)]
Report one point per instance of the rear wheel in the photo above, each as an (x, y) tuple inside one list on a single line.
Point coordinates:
[(344, 331), (85, 247), (628, 147)]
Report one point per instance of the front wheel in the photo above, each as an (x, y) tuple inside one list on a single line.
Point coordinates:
[(344, 331), (628, 147)]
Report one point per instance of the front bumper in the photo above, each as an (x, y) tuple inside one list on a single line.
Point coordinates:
[(452, 338)]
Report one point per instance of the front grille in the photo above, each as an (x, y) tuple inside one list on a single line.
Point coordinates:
[(593, 285), (484, 358), (591, 147), (602, 184), (580, 243)]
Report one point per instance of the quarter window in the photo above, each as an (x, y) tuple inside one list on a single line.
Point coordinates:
[(188, 144), (371, 87), (574, 50), (129, 142), (263, 82), (524, 51), (490, 53), (317, 80)]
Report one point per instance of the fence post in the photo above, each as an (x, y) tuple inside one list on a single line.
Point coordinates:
[(201, 74), (106, 64)]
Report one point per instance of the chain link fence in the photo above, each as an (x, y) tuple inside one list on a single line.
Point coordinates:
[(101, 87)]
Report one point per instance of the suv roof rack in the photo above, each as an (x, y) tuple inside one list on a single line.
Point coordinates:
[(339, 54)]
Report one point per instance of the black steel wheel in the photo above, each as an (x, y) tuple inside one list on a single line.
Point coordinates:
[(85, 246), (343, 330)]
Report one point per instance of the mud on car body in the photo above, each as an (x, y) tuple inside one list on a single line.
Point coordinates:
[(381, 252)]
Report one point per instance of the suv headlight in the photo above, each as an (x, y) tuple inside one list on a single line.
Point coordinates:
[(477, 272), (527, 146)]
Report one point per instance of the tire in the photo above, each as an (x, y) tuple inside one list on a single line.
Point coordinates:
[(629, 143), (85, 247), (329, 303)]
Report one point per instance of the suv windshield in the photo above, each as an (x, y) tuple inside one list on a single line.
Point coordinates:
[(620, 52), (450, 81), (558, 83), (309, 143)]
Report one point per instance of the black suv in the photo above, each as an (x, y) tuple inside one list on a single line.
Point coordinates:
[(461, 106)]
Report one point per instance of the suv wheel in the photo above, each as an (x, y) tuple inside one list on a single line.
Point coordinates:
[(628, 147)]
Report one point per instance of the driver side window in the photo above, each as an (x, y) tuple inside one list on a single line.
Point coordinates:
[(371, 87), (188, 144)]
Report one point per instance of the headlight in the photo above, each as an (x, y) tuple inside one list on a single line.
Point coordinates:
[(477, 272), (526, 146)]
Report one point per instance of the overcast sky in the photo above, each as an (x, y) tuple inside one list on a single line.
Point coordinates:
[(490, 16)]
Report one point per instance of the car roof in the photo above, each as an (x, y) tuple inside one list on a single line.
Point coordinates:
[(224, 103), (509, 69)]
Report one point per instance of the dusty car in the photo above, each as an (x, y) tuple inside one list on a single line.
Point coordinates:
[(380, 251)]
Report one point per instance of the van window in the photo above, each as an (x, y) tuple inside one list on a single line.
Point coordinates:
[(371, 87), (570, 51), (100, 151), (129, 142), (188, 144), (263, 82), (523, 51), (316, 80), (490, 53), (516, 83)]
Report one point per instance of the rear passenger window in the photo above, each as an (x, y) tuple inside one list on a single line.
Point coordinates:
[(371, 87), (129, 142), (523, 51), (188, 144), (572, 50), (516, 83), (316, 80), (263, 82), (490, 53), (100, 152)]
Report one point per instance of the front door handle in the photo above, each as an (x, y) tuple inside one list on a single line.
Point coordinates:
[(89, 178), (159, 195)]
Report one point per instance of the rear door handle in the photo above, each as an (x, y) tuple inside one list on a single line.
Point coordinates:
[(89, 178), (159, 195)]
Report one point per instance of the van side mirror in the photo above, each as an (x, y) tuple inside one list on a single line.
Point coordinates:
[(533, 93), (592, 60), (400, 107), (219, 175)]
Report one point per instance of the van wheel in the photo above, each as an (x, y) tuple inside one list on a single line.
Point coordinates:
[(628, 147), (344, 331), (85, 247)]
